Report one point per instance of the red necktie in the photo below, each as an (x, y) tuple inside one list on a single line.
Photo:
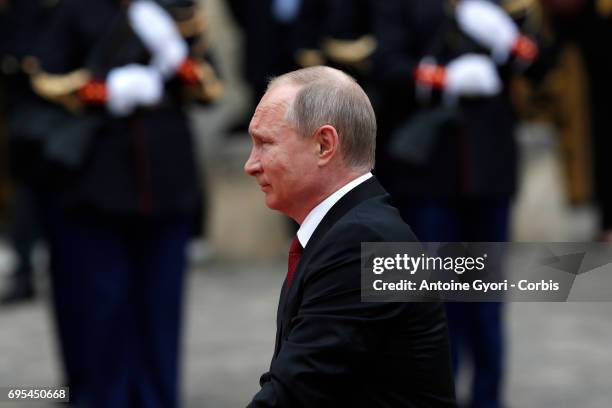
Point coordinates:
[(295, 252)]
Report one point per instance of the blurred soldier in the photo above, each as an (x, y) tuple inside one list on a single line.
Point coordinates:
[(339, 34), (122, 190), (4, 180), (336, 33), (4, 23), (267, 27), (24, 22), (447, 152), (589, 24)]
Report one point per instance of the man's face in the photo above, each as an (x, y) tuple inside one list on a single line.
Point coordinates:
[(283, 162)]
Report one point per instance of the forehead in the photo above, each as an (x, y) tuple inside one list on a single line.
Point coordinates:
[(273, 105)]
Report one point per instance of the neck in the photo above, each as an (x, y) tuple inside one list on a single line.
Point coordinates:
[(332, 183)]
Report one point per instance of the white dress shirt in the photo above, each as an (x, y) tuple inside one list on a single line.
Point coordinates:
[(314, 217)]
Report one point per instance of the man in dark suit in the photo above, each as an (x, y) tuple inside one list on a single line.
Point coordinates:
[(313, 138)]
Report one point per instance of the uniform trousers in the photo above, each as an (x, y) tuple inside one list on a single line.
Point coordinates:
[(117, 288), (475, 328)]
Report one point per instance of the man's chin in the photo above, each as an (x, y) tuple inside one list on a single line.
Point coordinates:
[(272, 204)]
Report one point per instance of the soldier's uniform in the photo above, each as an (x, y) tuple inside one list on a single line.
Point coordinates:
[(118, 225), (23, 24), (589, 24), (457, 184), (337, 33), (268, 42)]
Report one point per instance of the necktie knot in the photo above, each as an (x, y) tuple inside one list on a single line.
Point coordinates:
[(295, 252)]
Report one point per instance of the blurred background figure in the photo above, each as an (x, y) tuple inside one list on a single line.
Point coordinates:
[(446, 148), (119, 189), (587, 24), (267, 28), (337, 33), (22, 26)]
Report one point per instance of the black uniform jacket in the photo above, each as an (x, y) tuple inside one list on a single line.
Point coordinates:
[(476, 159), (140, 164), (331, 349)]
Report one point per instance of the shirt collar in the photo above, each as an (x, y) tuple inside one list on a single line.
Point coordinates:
[(314, 217)]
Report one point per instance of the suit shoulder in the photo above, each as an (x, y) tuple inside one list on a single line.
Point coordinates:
[(373, 220)]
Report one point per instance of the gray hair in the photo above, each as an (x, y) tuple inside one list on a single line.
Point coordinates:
[(328, 96)]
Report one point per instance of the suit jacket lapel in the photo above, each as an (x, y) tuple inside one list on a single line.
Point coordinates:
[(368, 189)]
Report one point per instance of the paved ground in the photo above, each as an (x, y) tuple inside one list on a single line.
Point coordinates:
[(228, 340)]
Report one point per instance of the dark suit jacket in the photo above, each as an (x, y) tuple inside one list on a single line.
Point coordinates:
[(331, 349)]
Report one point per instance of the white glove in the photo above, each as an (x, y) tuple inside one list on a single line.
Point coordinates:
[(131, 86), (158, 31), (472, 75), (488, 25)]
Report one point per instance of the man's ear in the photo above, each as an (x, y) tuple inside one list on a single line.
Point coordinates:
[(328, 143)]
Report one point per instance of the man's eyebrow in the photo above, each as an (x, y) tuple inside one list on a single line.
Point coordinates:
[(255, 135)]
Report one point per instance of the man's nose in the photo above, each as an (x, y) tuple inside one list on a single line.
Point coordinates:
[(252, 165)]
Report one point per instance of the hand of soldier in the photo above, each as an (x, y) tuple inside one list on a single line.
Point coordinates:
[(131, 86), (472, 75), (467, 75), (158, 31), (491, 27)]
